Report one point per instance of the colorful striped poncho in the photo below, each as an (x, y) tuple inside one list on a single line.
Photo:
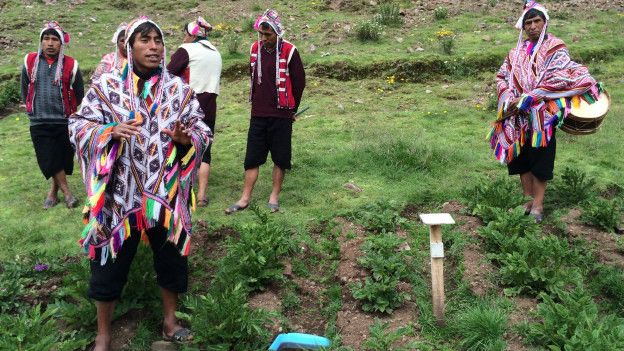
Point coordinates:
[(547, 82), (143, 182)]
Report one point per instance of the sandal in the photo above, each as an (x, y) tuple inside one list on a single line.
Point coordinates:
[(49, 203), (235, 208), (71, 202), (202, 203), (273, 207), (539, 217), (181, 335)]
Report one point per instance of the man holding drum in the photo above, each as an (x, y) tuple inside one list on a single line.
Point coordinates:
[(537, 85)]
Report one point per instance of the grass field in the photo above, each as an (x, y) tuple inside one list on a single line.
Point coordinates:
[(411, 145)]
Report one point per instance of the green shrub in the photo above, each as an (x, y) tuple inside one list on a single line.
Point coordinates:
[(602, 213), (368, 31), (35, 329), (378, 216), (232, 42), (501, 234), (440, 13), (570, 321), (14, 275), (481, 328), (488, 195), (573, 188), (9, 94), (247, 24), (389, 15), (223, 320)]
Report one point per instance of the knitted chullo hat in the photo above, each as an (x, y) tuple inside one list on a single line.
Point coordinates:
[(127, 74), (272, 18), (194, 28), (528, 6), (64, 37)]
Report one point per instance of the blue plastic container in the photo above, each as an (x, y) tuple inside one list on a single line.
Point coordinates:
[(299, 341)]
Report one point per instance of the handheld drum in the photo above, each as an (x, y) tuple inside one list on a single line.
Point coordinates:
[(586, 118)]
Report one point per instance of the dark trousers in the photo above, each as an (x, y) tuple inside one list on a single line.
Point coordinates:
[(266, 134), (107, 281)]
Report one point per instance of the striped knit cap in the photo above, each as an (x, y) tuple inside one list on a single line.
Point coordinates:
[(64, 36), (528, 6), (196, 26), (127, 74)]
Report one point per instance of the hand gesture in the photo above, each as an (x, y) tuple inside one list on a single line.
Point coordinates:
[(512, 108), (180, 134), (126, 129)]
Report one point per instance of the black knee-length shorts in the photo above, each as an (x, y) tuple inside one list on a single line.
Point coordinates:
[(266, 134)]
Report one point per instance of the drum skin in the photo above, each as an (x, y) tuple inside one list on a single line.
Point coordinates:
[(586, 118)]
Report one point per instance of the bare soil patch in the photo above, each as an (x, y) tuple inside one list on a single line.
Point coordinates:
[(353, 324), (525, 306), (607, 250), (124, 328), (477, 268)]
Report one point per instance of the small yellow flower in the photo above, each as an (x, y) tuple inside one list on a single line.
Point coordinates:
[(17, 118)]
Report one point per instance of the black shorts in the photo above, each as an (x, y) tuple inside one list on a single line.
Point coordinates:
[(269, 134), (539, 161), (207, 157), (107, 281), (52, 148)]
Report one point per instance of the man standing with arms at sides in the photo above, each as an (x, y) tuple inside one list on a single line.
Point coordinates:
[(277, 83), (537, 85), (52, 89), (198, 62), (138, 136)]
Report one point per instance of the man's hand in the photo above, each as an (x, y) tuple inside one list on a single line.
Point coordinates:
[(126, 129), (179, 134), (512, 108)]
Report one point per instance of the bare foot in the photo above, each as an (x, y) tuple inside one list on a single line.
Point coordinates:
[(102, 343), (528, 207)]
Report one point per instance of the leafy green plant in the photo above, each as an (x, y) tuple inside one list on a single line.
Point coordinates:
[(13, 275), (446, 38), (385, 263), (368, 31), (570, 321), (608, 281), (381, 339), (389, 15), (232, 42), (487, 195), (224, 321), (440, 13), (481, 328), (602, 213), (501, 234), (378, 216), (36, 329), (574, 187), (255, 258), (379, 295)]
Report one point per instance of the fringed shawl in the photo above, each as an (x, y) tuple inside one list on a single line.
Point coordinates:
[(547, 87)]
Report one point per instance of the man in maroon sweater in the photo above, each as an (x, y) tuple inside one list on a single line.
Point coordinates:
[(277, 83)]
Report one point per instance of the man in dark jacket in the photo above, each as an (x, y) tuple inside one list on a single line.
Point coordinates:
[(52, 89)]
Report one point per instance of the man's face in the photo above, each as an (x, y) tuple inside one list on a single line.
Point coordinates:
[(268, 37), (188, 38), (50, 45), (147, 51), (121, 45), (533, 27)]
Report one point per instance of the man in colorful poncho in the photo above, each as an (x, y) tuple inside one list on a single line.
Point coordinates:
[(139, 137), (113, 61), (52, 89), (537, 84), (277, 83), (198, 62)]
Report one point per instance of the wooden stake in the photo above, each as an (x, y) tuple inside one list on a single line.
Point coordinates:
[(434, 221)]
